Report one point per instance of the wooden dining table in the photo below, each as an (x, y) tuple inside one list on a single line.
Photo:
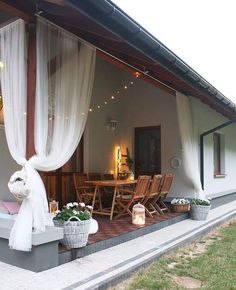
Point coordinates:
[(115, 184)]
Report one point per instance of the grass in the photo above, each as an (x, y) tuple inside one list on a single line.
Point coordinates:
[(212, 260)]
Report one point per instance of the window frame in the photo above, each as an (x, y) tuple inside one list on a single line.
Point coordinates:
[(218, 155)]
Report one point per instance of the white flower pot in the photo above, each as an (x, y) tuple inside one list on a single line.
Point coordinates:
[(75, 232), (199, 212)]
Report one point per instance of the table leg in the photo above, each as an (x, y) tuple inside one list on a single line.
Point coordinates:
[(94, 197), (113, 202)]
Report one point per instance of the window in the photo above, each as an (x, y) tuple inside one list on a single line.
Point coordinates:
[(218, 151)]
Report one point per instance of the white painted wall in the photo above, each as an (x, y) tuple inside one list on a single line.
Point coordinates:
[(205, 119), (140, 105), (7, 167)]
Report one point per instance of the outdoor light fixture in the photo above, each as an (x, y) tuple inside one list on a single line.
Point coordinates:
[(111, 125), (53, 207), (118, 160), (138, 215)]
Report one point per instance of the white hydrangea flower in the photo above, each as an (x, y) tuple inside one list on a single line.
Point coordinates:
[(82, 204), (89, 207), (70, 204), (75, 204), (180, 201)]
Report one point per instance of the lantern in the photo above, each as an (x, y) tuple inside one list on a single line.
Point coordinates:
[(53, 207), (138, 215)]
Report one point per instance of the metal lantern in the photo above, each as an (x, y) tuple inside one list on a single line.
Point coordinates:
[(53, 207), (138, 215)]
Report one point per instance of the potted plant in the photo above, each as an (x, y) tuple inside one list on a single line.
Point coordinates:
[(180, 204), (75, 219), (199, 208)]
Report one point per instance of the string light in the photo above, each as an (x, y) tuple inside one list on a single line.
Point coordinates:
[(124, 87)]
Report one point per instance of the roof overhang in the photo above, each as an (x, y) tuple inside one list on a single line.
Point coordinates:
[(106, 26)]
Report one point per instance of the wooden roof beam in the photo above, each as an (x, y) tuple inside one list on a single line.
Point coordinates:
[(15, 12)]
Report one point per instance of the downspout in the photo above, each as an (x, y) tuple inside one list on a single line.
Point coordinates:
[(202, 147)]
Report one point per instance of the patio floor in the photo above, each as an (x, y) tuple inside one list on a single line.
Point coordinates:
[(115, 232)]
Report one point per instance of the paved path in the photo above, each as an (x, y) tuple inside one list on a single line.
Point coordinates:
[(102, 267)]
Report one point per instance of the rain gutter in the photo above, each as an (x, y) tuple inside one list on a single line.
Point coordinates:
[(106, 14), (202, 147)]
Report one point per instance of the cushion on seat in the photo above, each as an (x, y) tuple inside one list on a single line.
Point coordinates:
[(3, 209), (12, 206)]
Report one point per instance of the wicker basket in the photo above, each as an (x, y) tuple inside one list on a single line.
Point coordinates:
[(75, 232), (199, 212), (180, 207)]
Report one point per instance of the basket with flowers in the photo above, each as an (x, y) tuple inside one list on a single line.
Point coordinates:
[(180, 204), (75, 219)]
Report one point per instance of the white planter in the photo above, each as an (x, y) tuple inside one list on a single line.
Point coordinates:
[(75, 232), (199, 212)]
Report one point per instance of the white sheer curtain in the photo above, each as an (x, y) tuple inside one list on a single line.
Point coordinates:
[(65, 75), (13, 85), (65, 72), (189, 144)]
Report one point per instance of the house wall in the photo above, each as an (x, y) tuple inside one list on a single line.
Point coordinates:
[(140, 105), (7, 167), (99, 140), (205, 119)]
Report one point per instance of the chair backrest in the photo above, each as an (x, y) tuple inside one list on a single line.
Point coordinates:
[(142, 185), (156, 184), (94, 176), (79, 179), (108, 176), (166, 183)]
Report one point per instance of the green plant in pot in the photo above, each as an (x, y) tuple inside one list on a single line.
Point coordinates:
[(199, 208)]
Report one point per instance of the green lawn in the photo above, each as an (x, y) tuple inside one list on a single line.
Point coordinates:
[(212, 260)]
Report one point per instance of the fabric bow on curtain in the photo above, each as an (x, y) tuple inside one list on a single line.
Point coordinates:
[(64, 80)]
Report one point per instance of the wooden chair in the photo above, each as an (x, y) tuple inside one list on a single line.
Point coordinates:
[(107, 191), (83, 191), (126, 198), (152, 194), (108, 176), (94, 176), (158, 202)]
